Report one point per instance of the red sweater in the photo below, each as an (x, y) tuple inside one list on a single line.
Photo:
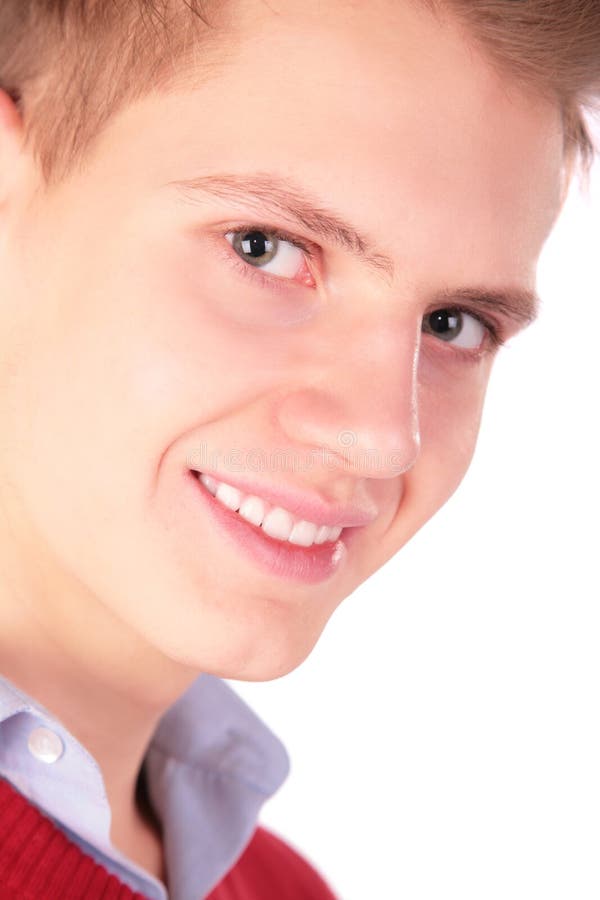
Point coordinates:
[(39, 862)]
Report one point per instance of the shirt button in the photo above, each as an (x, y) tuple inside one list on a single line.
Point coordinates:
[(45, 745)]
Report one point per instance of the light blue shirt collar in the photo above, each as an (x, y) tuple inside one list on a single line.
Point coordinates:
[(210, 766)]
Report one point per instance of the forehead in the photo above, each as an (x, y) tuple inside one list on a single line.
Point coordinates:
[(392, 115)]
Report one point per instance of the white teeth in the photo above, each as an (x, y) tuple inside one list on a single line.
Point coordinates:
[(229, 496), (278, 524), (322, 534), (303, 533), (210, 483), (253, 510)]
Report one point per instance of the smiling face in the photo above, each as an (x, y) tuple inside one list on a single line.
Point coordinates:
[(291, 277)]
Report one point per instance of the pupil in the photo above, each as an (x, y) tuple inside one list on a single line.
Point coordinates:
[(256, 244), (445, 322)]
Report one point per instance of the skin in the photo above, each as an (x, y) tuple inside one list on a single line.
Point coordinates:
[(130, 341)]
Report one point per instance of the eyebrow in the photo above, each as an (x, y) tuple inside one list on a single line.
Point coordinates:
[(281, 197)]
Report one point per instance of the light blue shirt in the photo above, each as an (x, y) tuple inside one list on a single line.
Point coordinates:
[(210, 766)]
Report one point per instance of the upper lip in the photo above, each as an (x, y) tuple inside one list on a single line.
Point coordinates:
[(307, 505)]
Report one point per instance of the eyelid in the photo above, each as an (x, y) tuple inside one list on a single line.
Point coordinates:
[(495, 337), (495, 331), (312, 250), (278, 283)]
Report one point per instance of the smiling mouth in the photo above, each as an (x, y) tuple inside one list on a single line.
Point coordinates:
[(307, 563), (275, 521)]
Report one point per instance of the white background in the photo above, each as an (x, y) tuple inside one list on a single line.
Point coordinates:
[(444, 732)]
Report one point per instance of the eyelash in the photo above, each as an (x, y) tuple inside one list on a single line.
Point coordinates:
[(494, 329)]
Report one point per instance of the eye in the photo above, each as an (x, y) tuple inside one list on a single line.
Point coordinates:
[(268, 252), (457, 327)]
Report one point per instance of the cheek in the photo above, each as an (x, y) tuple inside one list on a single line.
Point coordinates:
[(200, 354), (451, 398)]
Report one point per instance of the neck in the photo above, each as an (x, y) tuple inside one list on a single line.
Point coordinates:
[(104, 683)]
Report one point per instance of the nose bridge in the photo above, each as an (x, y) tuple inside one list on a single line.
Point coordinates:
[(361, 404)]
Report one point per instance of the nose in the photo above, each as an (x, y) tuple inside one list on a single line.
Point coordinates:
[(358, 406)]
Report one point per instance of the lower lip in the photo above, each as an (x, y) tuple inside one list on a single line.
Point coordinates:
[(309, 565)]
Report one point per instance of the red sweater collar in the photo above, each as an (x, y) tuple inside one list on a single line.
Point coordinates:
[(38, 860)]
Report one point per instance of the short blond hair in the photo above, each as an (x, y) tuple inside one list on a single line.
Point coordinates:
[(550, 46), (72, 64)]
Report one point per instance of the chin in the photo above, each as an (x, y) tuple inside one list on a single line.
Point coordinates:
[(265, 663), (265, 655), (265, 670)]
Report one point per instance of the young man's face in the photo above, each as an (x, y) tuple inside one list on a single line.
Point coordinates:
[(140, 342)]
